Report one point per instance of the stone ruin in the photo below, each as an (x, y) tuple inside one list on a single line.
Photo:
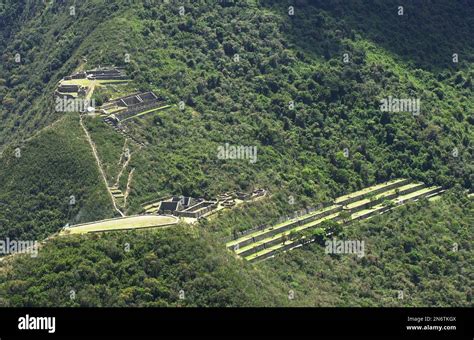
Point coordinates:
[(71, 91), (127, 106), (196, 208), (187, 206), (100, 73)]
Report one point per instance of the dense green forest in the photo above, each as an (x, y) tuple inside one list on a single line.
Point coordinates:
[(153, 272), (49, 181), (301, 81), (190, 267)]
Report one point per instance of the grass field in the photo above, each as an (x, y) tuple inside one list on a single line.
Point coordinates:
[(126, 223), (87, 82), (362, 193), (146, 112)]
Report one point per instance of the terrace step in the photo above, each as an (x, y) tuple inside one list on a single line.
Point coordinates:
[(375, 189), (383, 191), (271, 250), (273, 230), (424, 192), (278, 238), (386, 195)]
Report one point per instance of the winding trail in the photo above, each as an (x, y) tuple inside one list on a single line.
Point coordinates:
[(99, 165), (127, 191), (123, 151), (124, 166)]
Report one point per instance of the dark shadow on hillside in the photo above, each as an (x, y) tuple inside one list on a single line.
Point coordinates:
[(426, 36)]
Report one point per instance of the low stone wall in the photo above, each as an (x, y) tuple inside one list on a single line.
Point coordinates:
[(139, 108), (197, 213), (63, 95), (292, 225), (108, 77), (388, 197), (68, 88), (279, 250), (374, 192)]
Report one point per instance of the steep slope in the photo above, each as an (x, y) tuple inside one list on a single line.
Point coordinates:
[(174, 267), (423, 249), (48, 181), (250, 74), (45, 37)]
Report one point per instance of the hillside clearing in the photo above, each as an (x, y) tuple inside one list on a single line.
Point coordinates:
[(126, 223)]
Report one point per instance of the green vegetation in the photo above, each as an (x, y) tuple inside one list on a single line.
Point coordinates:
[(109, 145), (49, 181), (158, 265), (238, 66), (412, 248), (409, 249)]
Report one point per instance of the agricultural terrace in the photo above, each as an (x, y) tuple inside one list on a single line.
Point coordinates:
[(363, 204)]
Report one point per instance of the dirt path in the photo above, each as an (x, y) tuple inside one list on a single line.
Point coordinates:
[(99, 165), (127, 191), (124, 166), (123, 151)]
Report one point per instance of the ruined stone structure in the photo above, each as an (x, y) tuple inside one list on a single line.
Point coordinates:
[(187, 207), (117, 126), (258, 193), (69, 88), (242, 195), (228, 203), (79, 75), (130, 105), (68, 91), (107, 73), (101, 73), (197, 210)]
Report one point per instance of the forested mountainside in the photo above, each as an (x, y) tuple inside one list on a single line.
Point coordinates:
[(180, 267), (302, 82)]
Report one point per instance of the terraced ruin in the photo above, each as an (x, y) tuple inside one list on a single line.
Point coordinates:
[(196, 208), (265, 243), (258, 244), (115, 112), (83, 83)]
